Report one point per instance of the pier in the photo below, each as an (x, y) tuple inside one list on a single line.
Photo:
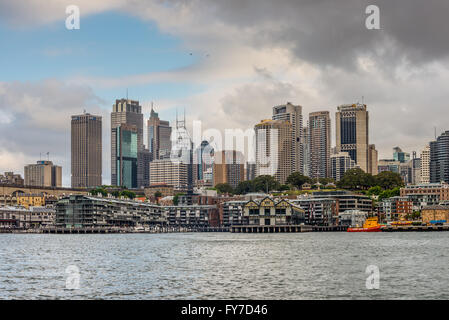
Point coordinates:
[(271, 229), (414, 228)]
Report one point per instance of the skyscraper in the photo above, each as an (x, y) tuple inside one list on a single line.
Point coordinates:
[(400, 156), (43, 174), (144, 158), (320, 144), (126, 147), (204, 157), (86, 150), (129, 112), (425, 165), (293, 115), (340, 163), (352, 133), (229, 167), (439, 159), (305, 146), (159, 136), (273, 149), (372, 160)]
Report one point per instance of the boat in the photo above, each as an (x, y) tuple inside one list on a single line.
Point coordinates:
[(370, 225)]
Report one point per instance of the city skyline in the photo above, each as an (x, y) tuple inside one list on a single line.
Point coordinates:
[(399, 77)]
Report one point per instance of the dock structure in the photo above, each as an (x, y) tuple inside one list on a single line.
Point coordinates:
[(271, 229), (414, 228)]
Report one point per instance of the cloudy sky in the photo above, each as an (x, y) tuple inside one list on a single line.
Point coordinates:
[(226, 62)]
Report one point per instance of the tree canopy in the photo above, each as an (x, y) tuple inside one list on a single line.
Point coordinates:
[(296, 179), (356, 179), (389, 180), (224, 188)]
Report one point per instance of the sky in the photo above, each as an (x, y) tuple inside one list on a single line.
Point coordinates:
[(227, 63)]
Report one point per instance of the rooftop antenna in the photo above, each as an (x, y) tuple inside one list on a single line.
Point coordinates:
[(435, 132), (363, 100), (126, 93)]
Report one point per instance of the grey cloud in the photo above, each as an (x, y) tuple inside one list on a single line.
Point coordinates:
[(329, 32), (39, 120)]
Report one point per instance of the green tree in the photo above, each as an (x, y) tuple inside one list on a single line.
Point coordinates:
[(224, 188), (376, 190), (325, 181), (266, 183), (245, 187), (128, 194), (157, 194), (176, 198), (284, 187), (356, 179), (389, 193), (99, 190), (296, 180), (388, 180)]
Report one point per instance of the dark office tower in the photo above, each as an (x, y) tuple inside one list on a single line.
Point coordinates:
[(320, 144), (204, 161), (86, 149), (128, 112), (126, 148), (159, 136), (352, 133), (143, 168), (293, 115), (439, 159)]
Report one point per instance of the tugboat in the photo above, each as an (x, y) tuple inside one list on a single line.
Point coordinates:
[(370, 225)]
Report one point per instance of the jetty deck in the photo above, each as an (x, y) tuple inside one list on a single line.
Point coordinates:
[(414, 228)]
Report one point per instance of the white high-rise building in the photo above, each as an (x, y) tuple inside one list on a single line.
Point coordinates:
[(293, 115), (273, 149), (425, 165), (340, 163)]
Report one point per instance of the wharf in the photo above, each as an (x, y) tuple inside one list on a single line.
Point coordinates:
[(270, 229), (414, 228)]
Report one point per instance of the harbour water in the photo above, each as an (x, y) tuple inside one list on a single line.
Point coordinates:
[(412, 265)]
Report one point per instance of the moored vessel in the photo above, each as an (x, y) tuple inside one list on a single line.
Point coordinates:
[(370, 225)]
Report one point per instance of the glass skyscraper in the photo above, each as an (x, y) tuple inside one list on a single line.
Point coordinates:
[(126, 156)]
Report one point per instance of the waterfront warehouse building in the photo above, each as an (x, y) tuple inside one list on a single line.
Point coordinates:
[(193, 216), (318, 211), (79, 211), (269, 212), (347, 200), (231, 212), (426, 194), (86, 150)]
